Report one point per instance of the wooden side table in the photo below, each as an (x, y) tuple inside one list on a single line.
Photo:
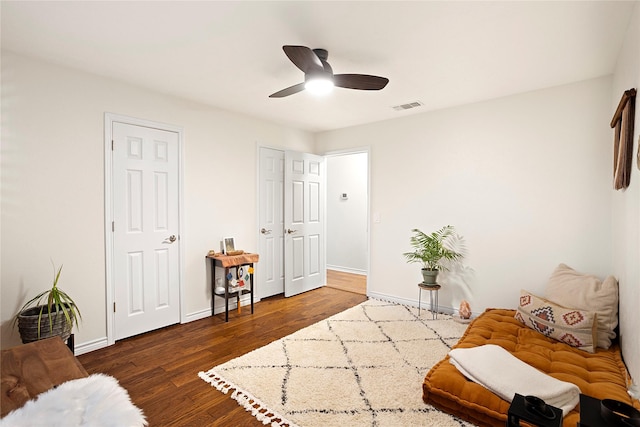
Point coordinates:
[(227, 262), (433, 303)]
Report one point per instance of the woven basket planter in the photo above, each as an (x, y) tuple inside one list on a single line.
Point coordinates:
[(28, 325)]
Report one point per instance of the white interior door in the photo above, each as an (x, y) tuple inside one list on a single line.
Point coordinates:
[(146, 260), (303, 222), (270, 278)]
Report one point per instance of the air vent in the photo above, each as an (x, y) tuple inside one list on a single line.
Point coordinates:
[(408, 106)]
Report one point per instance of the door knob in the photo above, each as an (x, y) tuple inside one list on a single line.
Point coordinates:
[(265, 231), (172, 238), (290, 231)]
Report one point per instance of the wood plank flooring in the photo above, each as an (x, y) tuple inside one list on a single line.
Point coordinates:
[(160, 368), (347, 281)]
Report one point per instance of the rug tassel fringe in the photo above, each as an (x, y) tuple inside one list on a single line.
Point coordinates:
[(246, 400)]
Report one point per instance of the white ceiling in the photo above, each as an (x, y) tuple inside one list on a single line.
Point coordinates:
[(229, 54)]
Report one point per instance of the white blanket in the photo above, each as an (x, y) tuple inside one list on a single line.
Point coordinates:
[(95, 401), (505, 375)]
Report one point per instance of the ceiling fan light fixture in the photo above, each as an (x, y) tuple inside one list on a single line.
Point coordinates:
[(319, 85), (318, 74)]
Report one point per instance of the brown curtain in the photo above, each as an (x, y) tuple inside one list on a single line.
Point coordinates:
[(622, 122)]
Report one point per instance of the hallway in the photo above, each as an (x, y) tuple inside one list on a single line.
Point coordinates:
[(356, 283)]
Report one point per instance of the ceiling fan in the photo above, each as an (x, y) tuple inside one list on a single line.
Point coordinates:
[(319, 77)]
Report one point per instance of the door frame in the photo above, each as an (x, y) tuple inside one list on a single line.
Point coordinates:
[(109, 119), (357, 150)]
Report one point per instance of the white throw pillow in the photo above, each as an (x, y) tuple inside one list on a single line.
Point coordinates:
[(570, 288)]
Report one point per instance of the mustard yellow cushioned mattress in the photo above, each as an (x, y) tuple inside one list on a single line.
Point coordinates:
[(601, 375)]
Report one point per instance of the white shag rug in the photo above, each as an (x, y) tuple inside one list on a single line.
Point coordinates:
[(362, 367), (95, 401)]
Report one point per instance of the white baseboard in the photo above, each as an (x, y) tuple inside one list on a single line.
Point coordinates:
[(190, 317), (219, 308), (347, 270), (97, 344), (410, 302), (244, 301), (89, 346)]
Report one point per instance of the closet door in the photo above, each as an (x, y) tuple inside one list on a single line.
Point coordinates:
[(304, 241), (270, 274), (291, 225), (145, 230)]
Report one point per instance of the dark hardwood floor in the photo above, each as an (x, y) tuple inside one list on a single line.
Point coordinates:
[(160, 368)]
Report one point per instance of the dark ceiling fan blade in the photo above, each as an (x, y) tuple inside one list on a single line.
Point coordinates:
[(303, 58), (288, 91), (360, 81)]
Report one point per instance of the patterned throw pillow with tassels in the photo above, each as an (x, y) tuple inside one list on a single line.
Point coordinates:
[(578, 328)]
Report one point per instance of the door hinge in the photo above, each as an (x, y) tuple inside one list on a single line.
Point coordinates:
[(113, 226), (114, 306), (112, 145)]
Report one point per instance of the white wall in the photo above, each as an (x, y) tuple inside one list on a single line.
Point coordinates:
[(525, 179), (626, 207), (347, 219), (53, 184)]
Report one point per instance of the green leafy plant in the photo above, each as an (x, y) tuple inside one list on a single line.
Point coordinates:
[(429, 249), (53, 302)]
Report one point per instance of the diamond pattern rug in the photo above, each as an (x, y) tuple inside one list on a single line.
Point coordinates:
[(362, 367)]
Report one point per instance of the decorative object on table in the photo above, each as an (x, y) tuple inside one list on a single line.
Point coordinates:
[(465, 309), (432, 250), (228, 245), (231, 283), (243, 276), (219, 289), (50, 313), (622, 122)]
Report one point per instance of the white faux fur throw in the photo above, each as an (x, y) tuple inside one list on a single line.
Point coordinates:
[(96, 401), (505, 375)]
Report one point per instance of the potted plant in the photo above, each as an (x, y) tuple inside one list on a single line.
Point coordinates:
[(50, 313), (430, 251)]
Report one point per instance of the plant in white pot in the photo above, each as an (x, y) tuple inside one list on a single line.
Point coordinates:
[(431, 251), (50, 313)]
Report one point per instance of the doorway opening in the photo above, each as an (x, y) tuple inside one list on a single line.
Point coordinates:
[(348, 220)]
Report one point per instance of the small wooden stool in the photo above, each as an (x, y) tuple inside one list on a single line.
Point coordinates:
[(433, 303)]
